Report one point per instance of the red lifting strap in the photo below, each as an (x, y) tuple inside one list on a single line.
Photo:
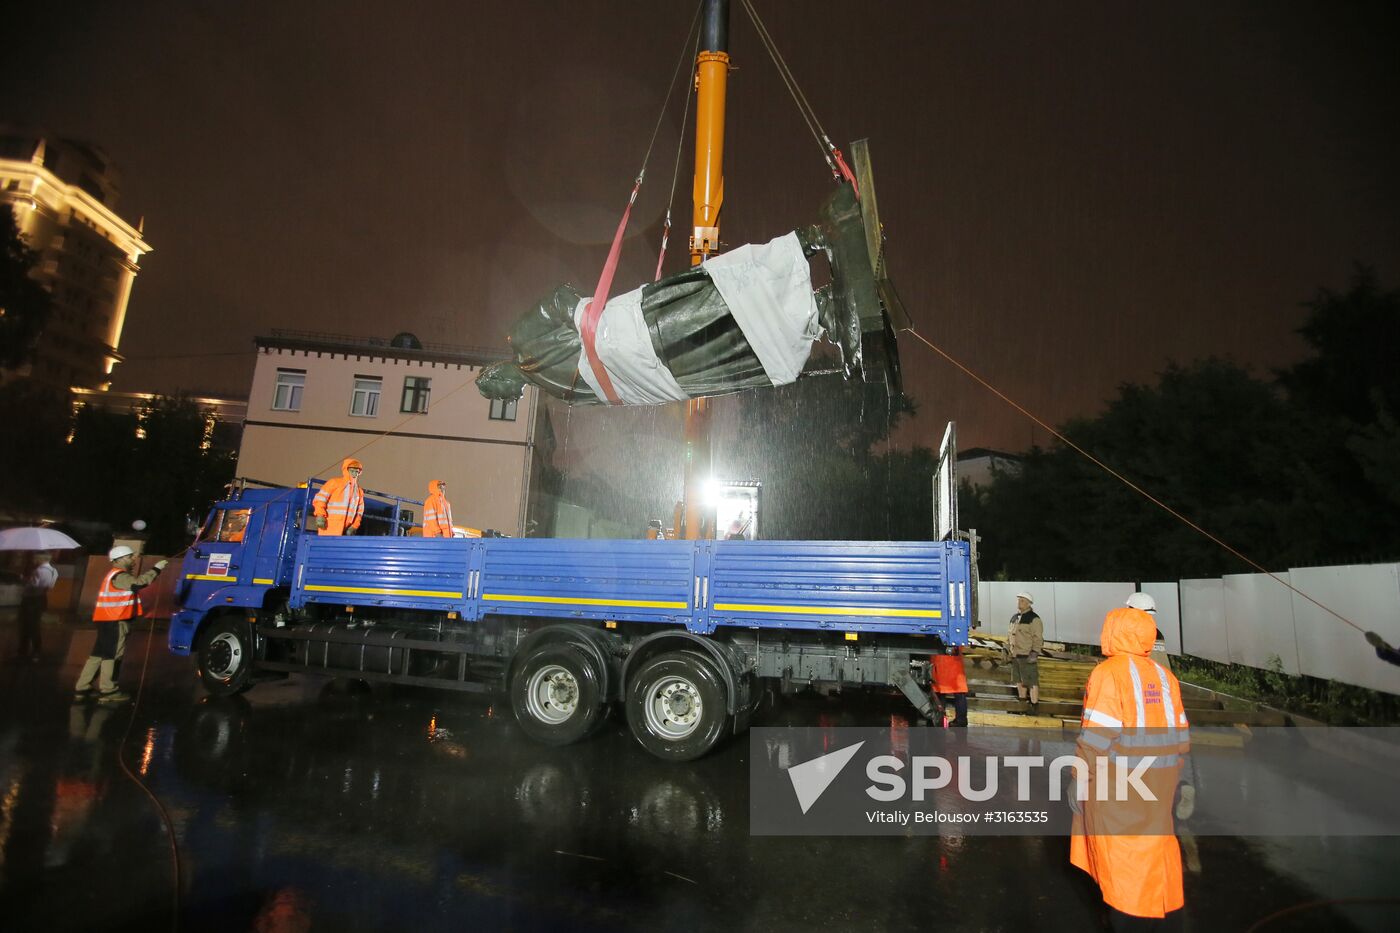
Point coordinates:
[(588, 330), (846, 171), (665, 236)]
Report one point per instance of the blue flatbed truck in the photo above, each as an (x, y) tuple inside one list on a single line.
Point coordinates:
[(684, 636)]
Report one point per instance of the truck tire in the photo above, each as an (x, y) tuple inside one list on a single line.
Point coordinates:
[(676, 706), (226, 658), (556, 694)]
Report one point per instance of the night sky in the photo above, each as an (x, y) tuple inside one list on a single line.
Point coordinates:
[(1074, 194)]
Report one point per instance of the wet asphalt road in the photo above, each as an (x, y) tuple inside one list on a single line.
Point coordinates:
[(314, 804)]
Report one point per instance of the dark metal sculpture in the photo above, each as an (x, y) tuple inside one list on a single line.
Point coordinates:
[(696, 337)]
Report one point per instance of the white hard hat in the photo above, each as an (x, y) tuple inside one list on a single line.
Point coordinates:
[(1142, 601), (120, 551), (1024, 595)]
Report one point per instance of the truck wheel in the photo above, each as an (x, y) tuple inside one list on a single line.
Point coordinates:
[(556, 695), (676, 706), (226, 658)]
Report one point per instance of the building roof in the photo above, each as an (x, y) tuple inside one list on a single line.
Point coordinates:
[(972, 453), (381, 347)]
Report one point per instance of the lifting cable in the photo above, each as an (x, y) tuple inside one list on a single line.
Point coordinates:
[(834, 160), (680, 147), (1123, 479), (593, 313)]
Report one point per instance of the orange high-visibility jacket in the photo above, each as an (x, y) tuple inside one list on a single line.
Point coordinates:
[(949, 675), (437, 513), (1133, 713), (114, 604), (340, 501)]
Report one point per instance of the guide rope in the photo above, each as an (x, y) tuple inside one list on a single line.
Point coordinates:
[(1124, 480)]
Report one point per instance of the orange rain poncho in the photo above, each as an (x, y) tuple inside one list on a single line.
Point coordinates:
[(949, 674), (437, 512), (1132, 712), (340, 501)]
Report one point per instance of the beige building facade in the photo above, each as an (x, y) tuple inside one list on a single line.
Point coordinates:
[(411, 413), (64, 194)]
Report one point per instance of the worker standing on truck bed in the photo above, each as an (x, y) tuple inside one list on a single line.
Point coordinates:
[(340, 505), (117, 604), (1134, 716), (1025, 642), (437, 511)]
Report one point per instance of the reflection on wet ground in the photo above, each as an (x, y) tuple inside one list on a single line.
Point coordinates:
[(313, 803)]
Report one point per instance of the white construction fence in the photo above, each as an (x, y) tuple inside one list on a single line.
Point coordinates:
[(1249, 619)]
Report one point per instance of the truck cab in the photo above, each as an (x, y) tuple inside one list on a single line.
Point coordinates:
[(244, 554)]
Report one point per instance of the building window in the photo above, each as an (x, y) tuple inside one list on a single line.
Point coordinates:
[(287, 396), (415, 394), (503, 410), (364, 401)]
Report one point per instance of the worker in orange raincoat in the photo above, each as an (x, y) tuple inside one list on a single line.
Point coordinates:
[(950, 683), (1133, 720), (437, 511), (340, 504)]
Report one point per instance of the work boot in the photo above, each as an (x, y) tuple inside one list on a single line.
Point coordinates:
[(1035, 709), (81, 696), (114, 696)]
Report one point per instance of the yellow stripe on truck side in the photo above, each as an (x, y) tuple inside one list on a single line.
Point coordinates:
[(372, 591), (885, 612), (260, 581), (583, 601), (206, 576)]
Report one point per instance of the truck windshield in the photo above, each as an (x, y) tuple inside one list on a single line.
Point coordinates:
[(226, 525)]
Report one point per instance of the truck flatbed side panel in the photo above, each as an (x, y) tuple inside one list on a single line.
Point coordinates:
[(412, 573), (627, 580), (899, 587)]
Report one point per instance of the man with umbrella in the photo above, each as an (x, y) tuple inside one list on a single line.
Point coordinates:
[(38, 582), (35, 599)]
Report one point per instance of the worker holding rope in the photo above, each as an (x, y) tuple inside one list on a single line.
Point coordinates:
[(117, 605)]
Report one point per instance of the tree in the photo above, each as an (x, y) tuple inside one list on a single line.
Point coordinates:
[(154, 465), (38, 417), (1353, 336), (24, 303), (1296, 471), (1220, 447), (176, 471)]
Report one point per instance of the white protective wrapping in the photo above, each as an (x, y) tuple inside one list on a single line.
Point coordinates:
[(768, 289), (625, 349)]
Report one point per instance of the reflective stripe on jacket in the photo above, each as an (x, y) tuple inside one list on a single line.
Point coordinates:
[(340, 501), (114, 604)]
